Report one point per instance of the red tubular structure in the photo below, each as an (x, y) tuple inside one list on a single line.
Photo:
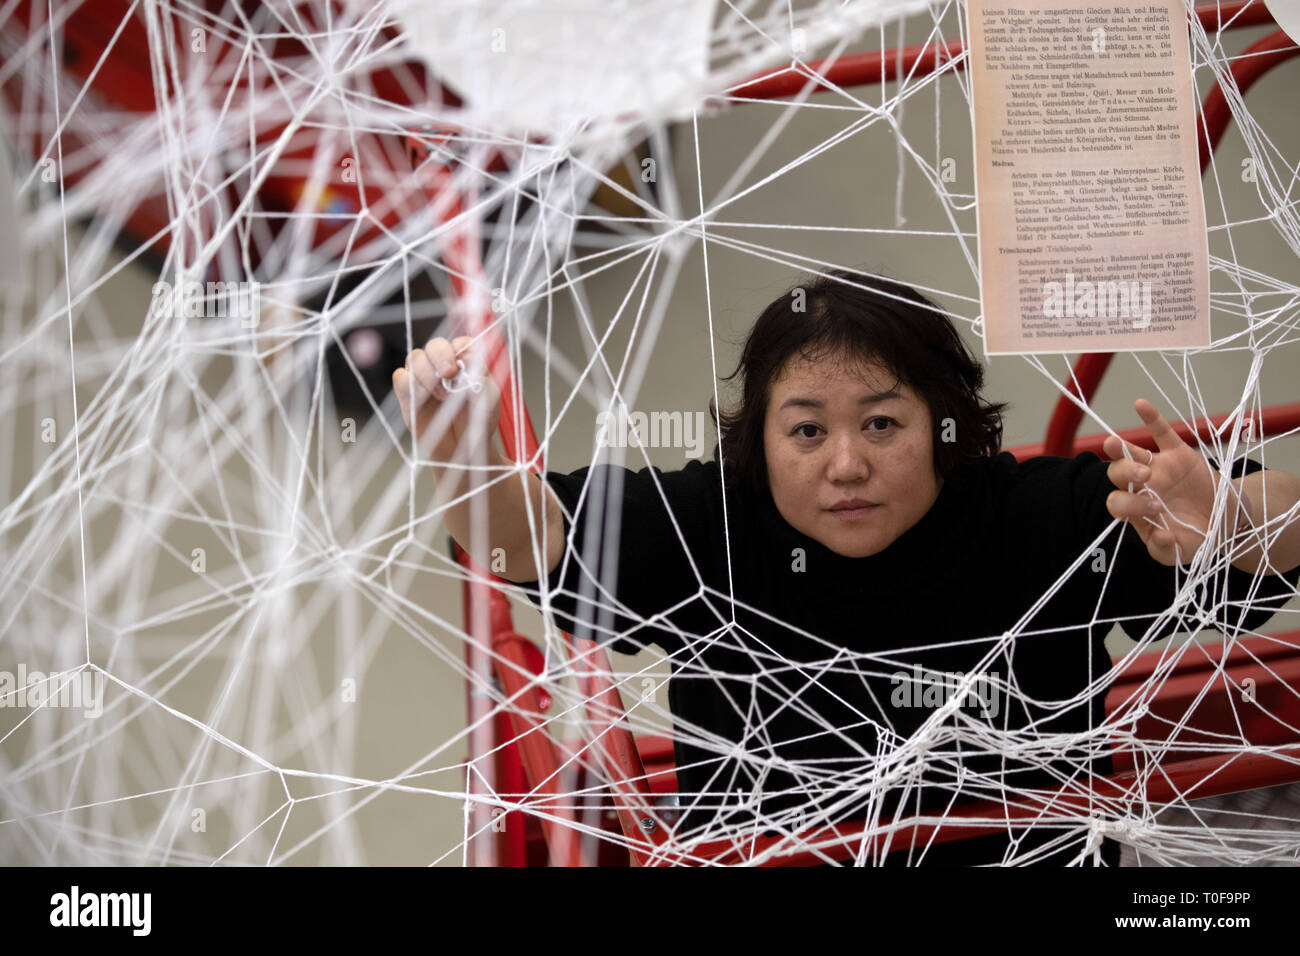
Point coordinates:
[(494, 648), (1214, 697)]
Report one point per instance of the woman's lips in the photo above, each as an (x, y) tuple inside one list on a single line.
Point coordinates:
[(853, 514)]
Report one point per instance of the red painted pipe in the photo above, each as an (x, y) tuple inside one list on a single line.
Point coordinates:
[(615, 746), (1275, 420)]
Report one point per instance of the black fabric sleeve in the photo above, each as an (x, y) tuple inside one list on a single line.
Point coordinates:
[(660, 531), (1139, 589)]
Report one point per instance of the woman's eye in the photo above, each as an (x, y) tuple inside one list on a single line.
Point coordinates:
[(802, 431)]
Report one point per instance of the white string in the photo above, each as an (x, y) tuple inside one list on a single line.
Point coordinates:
[(205, 431)]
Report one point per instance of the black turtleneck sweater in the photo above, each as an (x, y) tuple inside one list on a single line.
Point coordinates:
[(804, 691)]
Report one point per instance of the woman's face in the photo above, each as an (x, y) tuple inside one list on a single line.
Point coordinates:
[(849, 456)]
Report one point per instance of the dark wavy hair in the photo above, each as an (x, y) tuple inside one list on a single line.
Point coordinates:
[(859, 317)]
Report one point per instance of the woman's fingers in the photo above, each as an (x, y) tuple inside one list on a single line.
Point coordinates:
[(1115, 450), (411, 393), (446, 355), (442, 357), (400, 389), (1126, 471), (1123, 472), (1166, 438), (1130, 506), (426, 382), (1162, 433), (404, 384), (424, 369)]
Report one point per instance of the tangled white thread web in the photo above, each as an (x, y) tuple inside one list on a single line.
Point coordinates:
[(251, 585)]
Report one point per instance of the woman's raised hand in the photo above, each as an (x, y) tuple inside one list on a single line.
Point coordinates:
[(1171, 496), (439, 379)]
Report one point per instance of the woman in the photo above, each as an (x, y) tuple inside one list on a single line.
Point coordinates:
[(868, 608)]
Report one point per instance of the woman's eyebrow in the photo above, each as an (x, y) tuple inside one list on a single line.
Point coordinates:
[(818, 403)]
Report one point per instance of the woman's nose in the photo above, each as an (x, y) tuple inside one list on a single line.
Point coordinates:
[(848, 461)]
